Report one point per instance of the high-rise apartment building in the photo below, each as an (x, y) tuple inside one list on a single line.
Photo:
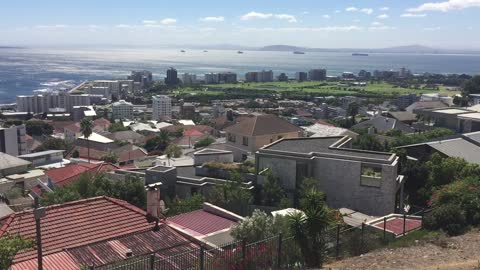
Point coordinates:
[(319, 74), (172, 77), (161, 107), (122, 110), (301, 76), (12, 140)]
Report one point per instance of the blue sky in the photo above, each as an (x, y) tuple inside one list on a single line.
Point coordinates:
[(312, 23)]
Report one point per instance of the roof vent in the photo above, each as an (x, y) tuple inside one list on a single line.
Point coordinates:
[(128, 253)]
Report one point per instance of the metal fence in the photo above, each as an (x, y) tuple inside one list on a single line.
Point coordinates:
[(273, 253)]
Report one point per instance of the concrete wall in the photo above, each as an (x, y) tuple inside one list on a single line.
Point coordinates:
[(200, 159), (285, 169), (340, 180)]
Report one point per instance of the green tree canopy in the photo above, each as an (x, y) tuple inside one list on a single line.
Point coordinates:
[(38, 128), (10, 245), (232, 191), (272, 193)]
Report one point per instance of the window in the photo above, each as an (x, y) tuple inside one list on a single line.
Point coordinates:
[(231, 137), (370, 171), (245, 141)]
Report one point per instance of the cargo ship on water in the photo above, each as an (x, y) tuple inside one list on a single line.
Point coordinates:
[(359, 54)]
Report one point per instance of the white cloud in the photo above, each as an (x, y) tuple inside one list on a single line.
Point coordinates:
[(367, 11), (55, 26), (287, 17), (123, 26), (383, 16), (337, 11), (376, 23), (213, 19), (446, 5), (207, 29), (306, 29), (381, 28), (413, 15), (326, 16), (149, 22), (168, 21), (305, 13), (257, 15), (432, 28), (384, 8)]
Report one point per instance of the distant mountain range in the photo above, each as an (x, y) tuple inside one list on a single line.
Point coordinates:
[(398, 49)]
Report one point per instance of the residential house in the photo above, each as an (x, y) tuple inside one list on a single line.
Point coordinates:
[(247, 136), (210, 224), (16, 172), (382, 124), (364, 181), (47, 158), (84, 228), (127, 136)]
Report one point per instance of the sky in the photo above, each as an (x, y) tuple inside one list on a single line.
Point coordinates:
[(451, 24)]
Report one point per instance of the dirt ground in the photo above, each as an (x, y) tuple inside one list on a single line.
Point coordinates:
[(455, 253)]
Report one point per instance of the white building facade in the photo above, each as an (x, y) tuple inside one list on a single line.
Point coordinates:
[(122, 110), (161, 107)]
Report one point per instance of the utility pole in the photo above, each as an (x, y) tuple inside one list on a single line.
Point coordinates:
[(39, 213)]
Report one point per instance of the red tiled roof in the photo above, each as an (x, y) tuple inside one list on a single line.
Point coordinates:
[(75, 127), (75, 224), (57, 261), (395, 225), (122, 153), (66, 175), (200, 223), (102, 123), (260, 125), (164, 242), (192, 132)]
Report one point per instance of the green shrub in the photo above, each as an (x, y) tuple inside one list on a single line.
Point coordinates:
[(449, 218)]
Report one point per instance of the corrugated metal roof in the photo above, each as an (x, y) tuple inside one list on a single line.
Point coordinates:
[(200, 223)]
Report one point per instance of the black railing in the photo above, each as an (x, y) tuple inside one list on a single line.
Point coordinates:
[(277, 252)]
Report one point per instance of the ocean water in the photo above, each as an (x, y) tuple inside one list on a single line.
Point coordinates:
[(27, 69)]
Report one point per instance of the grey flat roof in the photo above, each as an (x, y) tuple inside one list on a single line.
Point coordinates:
[(187, 171), (323, 145), (39, 154), (458, 148)]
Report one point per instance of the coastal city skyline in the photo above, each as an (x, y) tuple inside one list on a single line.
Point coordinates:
[(347, 24)]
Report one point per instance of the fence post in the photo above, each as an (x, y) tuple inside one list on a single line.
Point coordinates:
[(202, 257), (152, 261), (385, 229), (404, 223), (279, 251), (423, 215), (361, 241), (244, 251), (337, 248)]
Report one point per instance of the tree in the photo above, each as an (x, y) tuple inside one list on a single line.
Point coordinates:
[(186, 205), (115, 127), (272, 191), (160, 142), (367, 142), (75, 154), (38, 128), (86, 127), (110, 158), (54, 144), (308, 227), (173, 150), (231, 191), (10, 245), (260, 226), (471, 86), (204, 142), (352, 111), (88, 185)]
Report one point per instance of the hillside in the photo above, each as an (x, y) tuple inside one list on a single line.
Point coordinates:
[(456, 253)]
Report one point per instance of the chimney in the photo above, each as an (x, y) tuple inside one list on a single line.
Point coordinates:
[(153, 200)]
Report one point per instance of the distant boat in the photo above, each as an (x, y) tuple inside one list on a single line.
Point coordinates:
[(240, 52), (182, 51), (359, 54), (205, 51), (298, 52)]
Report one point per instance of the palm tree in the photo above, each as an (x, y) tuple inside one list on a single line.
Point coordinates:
[(352, 111), (86, 129), (163, 139), (309, 226)]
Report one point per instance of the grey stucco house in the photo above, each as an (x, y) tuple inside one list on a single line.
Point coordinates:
[(364, 181)]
